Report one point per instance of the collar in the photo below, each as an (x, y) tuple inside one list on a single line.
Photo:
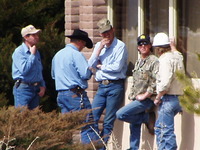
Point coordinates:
[(141, 61), (25, 47), (72, 46), (112, 44)]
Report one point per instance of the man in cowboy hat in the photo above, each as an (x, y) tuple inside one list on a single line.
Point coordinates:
[(27, 70), (70, 71)]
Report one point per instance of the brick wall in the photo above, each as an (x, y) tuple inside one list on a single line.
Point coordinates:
[(84, 14)]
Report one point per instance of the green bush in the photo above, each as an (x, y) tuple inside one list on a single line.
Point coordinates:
[(47, 15), (190, 100)]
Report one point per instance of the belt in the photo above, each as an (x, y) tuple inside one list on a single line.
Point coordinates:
[(77, 90), (106, 82), (31, 84), (28, 83), (170, 95)]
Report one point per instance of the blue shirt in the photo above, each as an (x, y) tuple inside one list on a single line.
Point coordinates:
[(70, 69), (26, 66), (113, 60)]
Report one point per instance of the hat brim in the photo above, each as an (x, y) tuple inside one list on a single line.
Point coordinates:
[(32, 32), (106, 28), (143, 40), (88, 41), (36, 31), (164, 46)]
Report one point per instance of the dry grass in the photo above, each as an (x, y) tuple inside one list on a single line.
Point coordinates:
[(22, 129)]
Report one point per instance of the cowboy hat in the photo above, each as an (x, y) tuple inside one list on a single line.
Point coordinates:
[(82, 35)]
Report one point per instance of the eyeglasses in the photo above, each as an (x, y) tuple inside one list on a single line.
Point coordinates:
[(143, 43)]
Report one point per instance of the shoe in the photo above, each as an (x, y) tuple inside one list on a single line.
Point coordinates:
[(151, 122)]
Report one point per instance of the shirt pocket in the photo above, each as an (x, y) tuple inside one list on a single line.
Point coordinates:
[(145, 74)]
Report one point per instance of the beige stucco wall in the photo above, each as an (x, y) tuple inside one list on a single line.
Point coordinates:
[(187, 130)]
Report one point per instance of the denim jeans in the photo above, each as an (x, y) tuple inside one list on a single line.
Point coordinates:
[(69, 101), (165, 137), (109, 97), (134, 113), (26, 95)]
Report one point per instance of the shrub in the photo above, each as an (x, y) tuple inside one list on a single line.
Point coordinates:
[(22, 128)]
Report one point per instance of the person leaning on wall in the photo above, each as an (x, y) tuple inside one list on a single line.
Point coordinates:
[(109, 59), (27, 70), (142, 91), (168, 89)]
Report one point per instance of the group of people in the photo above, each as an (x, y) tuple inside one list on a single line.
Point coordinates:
[(154, 82)]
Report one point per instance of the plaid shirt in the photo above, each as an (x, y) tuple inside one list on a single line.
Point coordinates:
[(144, 76)]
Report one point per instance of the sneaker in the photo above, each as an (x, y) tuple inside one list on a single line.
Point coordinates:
[(151, 122)]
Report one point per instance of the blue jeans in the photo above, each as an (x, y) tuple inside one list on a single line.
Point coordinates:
[(108, 97), (164, 131), (134, 113), (69, 101), (26, 95)]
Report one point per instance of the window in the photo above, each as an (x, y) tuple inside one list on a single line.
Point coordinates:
[(156, 16), (185, 25), (189, 33), (125, 15)]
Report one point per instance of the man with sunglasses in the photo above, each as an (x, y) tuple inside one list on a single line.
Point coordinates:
[(142, 91)]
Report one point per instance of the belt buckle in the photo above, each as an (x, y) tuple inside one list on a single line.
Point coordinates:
[(105, 82), (35, 84)]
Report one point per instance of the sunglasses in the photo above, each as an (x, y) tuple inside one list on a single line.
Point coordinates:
[(143, 43)]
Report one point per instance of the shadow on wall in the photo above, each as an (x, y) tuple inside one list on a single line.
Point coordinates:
[(147, 141)]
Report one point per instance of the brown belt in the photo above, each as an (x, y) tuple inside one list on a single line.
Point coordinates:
[(77, 90)]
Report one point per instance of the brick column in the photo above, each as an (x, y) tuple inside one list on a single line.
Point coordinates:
[(71, 16), (91, 11), (85, 14)]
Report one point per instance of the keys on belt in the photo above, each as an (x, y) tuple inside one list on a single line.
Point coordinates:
[(77, 90)]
